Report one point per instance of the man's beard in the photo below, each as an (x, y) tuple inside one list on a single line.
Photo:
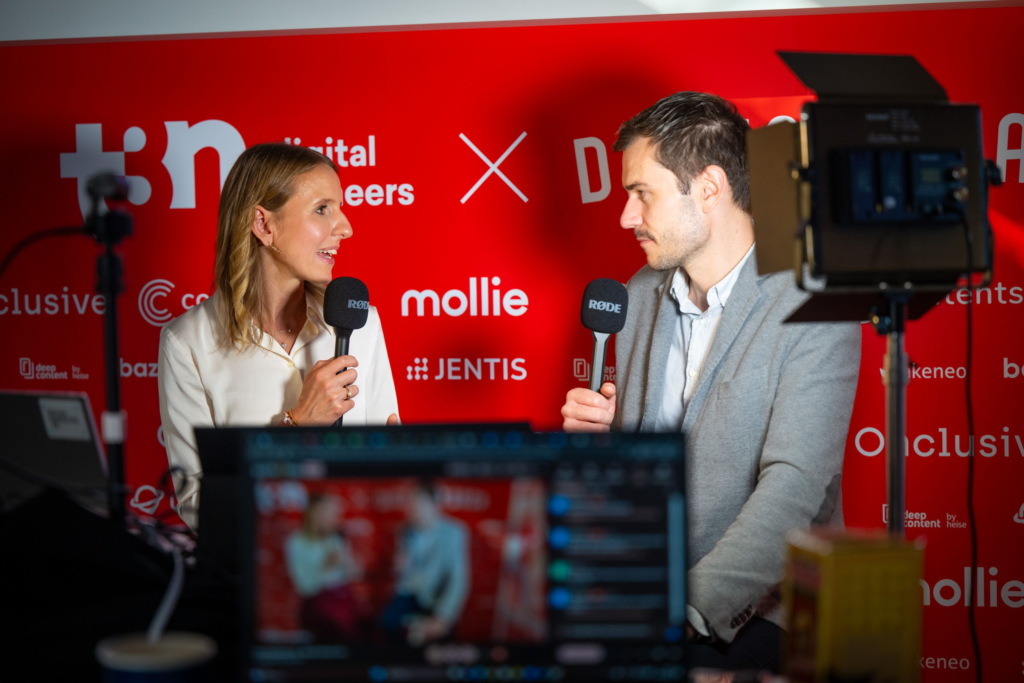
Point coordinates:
[(679, 247)]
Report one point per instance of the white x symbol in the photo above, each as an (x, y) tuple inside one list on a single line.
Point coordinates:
[(493, 168)]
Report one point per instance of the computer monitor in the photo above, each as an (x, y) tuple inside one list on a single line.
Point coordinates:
[(463, 554), (50, 439)]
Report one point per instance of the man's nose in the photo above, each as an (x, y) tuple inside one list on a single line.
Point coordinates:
[(631, 219)]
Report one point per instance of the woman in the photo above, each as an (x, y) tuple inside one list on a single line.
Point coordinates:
[(321, 565), (258, 352)]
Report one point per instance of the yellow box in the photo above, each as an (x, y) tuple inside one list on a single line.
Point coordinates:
[(854, 608)]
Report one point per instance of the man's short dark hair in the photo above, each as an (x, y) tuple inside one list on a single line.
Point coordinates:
[(426, 486), (691, 131)]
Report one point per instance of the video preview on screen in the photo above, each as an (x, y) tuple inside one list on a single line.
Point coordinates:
[(402, 561), (537, 569)]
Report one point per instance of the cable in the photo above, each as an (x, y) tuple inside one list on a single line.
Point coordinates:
[(972, 625), (170, 600), (35, 237)]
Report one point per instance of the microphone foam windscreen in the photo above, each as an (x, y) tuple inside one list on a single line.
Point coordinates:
[(346, 303), (604, 306)]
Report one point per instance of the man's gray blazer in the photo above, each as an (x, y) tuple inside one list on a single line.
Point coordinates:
[(765, 432)]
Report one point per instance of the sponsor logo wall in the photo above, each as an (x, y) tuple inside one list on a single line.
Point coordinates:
[(481, 186)]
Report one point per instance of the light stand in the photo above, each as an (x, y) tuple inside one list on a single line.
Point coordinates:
[(109, 228), (892, 323)]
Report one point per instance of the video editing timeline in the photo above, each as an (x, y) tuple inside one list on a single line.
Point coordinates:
[(466, 555)]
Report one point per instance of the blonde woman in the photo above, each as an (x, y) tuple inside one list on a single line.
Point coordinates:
[(322, 566), (258, 352)]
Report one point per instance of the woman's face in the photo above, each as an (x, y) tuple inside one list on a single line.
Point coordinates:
[(310, 226), (326, 515)]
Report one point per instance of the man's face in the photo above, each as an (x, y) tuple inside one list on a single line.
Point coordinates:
[(422, 510), (669, 225)]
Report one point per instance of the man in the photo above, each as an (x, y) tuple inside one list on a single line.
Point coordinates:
[(765, 406), (432, 568)]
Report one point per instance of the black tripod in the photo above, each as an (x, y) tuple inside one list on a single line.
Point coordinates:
[(109, 228)]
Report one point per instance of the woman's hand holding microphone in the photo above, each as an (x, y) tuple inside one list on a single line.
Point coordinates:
[(327, 393)]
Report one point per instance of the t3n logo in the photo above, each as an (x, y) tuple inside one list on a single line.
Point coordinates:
[(183, 143)]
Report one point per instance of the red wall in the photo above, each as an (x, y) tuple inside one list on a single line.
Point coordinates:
[(415, 93)]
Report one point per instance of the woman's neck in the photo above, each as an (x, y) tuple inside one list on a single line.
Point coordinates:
[(284, 297)]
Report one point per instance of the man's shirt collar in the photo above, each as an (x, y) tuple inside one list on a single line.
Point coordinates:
[(717, 295)]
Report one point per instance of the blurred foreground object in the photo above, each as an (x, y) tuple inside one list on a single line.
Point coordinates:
[(854, 608)]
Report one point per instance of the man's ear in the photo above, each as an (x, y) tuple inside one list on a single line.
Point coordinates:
[(712, 185), (261, 226)]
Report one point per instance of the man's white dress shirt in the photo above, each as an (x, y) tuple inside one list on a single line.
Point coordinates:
[(686, 357), (203, 383), (436, 567), (691, 344)]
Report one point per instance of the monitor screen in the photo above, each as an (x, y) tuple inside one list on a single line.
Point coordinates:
[(466, 555)]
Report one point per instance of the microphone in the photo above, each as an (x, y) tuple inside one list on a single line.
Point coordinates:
[(346, 308), (604, 313)]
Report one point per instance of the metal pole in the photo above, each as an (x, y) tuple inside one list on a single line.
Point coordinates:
[(109, 228), (896, 378), (113, 418)]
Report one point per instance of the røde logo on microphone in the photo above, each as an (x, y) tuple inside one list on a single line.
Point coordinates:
[(355, 303), (596, 305)]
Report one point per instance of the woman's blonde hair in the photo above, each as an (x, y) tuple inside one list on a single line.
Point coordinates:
[(262, 175)]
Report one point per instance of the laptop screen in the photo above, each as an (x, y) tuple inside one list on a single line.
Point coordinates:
[(466, 555), (49, 436)]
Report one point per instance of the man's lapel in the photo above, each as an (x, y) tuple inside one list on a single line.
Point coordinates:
[(745, 294), (665, 323)]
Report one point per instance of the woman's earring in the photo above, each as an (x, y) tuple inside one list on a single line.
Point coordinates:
[(276, 249)]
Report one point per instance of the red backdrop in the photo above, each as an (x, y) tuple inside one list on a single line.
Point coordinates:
[(74, 108)]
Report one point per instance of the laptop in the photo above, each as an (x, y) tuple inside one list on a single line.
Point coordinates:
[(50, 438), (412, 554)]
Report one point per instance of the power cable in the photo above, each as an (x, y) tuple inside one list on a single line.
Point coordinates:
[(35, 237)]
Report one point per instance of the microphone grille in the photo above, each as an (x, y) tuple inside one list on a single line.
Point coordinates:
[(346, 303), (604, 306)]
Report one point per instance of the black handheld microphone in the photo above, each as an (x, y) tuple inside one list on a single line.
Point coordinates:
[(604, 313), (346, 308)]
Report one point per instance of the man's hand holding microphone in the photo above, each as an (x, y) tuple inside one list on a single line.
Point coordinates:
[(605, 303)]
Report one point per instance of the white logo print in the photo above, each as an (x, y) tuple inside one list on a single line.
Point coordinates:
[(493, 167), (147, 499), (950, 592), (581, 371), (586, 194), (469, 369), (151, 311), (183, 143), (29, 370), (1019, 517), (485, 300), (417, 368), (913, 520), (596, 305), (1004, 153), (89, 159)]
